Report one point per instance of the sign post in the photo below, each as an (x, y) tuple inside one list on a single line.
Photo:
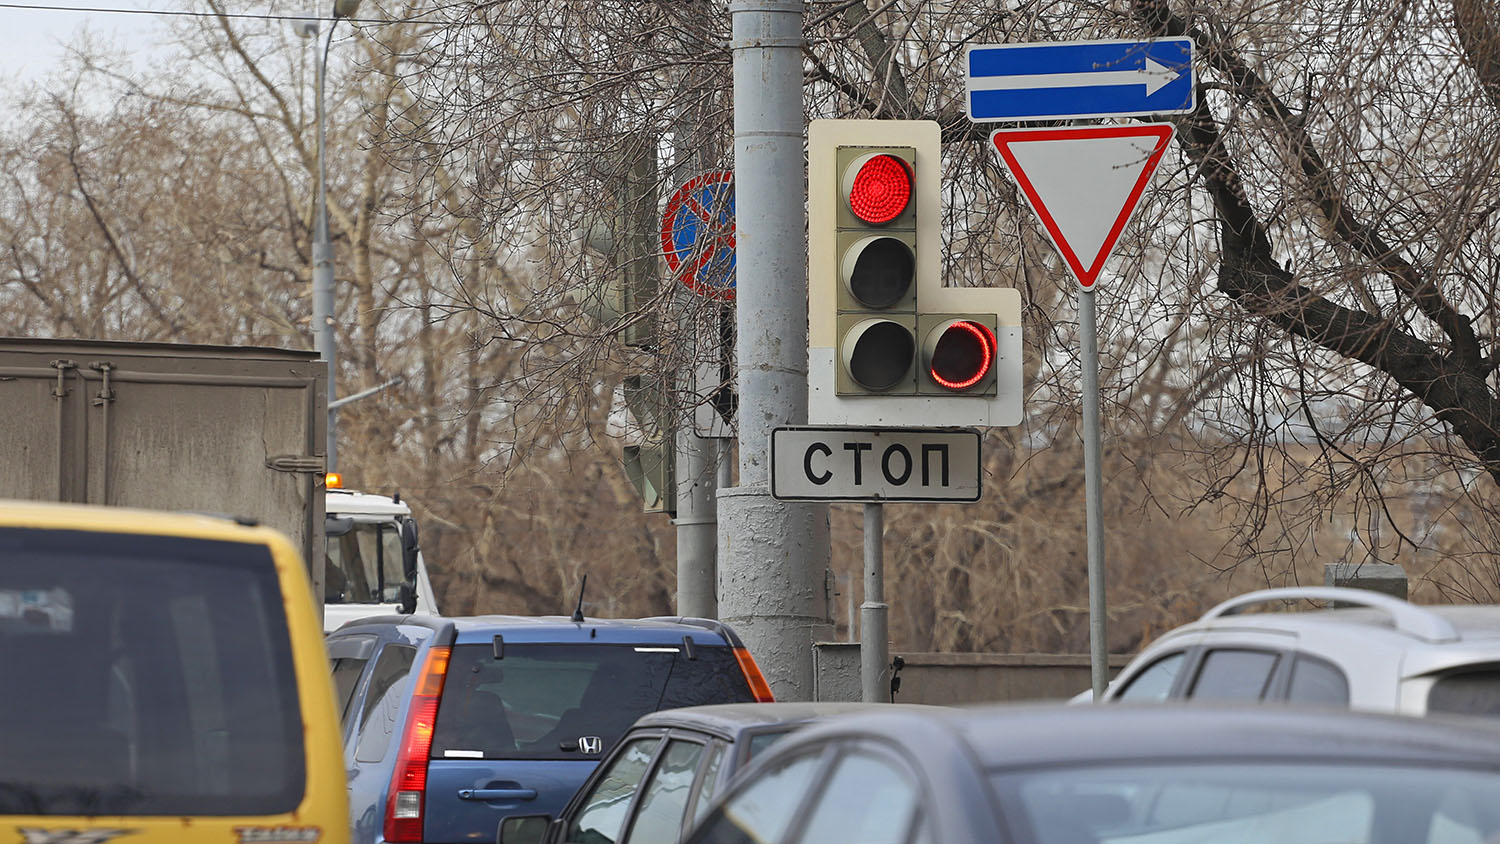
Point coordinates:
[(697, 241), (874, 465), (1083, 184)]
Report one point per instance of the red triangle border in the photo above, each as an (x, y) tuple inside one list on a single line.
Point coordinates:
[(1002, 138)]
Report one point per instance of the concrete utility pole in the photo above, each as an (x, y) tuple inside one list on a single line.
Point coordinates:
[(773, 556)]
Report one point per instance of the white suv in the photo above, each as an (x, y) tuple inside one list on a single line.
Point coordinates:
[(1382, 654)]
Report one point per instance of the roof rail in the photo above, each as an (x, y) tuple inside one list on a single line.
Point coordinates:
[(1408, 618)]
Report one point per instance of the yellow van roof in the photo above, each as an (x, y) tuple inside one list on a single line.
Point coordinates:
[(46, 514)]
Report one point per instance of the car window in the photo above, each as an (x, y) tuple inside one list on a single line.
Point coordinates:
[(1155, 681), (761, 812), (708, 782), (158, 677), (392, 667), (868, 799), (664, 800), (382, 719), (1233, 674), (570, 701), (602, 812), (1466, 693), (760, 741), (346, 671), (1301, 802), (1317, 681)]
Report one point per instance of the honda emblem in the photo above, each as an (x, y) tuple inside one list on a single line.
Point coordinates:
[(592, 745)]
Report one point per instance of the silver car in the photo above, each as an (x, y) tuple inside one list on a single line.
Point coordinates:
[(1374, 652), (1160, 774)]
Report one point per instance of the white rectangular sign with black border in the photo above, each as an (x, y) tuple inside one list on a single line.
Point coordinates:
[(874, 464)]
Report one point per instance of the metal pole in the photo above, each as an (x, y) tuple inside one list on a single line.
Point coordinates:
[(773, 555), (322, 255), (1098, 637), (874, 640), (364, 394), (849, 612), (724, 462), (697, 525), (697, 463)]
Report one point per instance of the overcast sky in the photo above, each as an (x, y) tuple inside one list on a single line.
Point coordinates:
[(32, 41)]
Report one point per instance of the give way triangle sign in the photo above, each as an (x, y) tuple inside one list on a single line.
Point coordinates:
[(1084, 183)]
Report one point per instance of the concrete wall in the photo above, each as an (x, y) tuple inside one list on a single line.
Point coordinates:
[(943, 678)]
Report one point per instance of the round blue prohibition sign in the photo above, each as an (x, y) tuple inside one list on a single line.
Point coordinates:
[(697, 234)]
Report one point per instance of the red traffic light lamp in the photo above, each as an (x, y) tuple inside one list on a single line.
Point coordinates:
[(877, 187)]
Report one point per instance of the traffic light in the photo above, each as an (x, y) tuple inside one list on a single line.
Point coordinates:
[(876, 249), (621, 238), (651, 460), (888, 344)]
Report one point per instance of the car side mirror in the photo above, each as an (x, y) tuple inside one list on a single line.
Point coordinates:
[(410, 547), (406, 597), (523, 829)]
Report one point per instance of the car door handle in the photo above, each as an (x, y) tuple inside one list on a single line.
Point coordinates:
[(497, 794)]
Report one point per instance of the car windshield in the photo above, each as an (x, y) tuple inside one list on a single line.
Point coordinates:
[(364, 566), (149, 676), (1255, 802), (570, 701)]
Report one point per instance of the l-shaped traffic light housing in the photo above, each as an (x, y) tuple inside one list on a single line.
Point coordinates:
[(889, 345)]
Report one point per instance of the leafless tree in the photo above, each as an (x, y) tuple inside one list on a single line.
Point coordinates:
[(1299, 323), (1297, 331)]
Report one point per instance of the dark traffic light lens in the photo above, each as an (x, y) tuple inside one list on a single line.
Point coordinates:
[(964, 354), (881, 355), (881, 189), (883, 270)]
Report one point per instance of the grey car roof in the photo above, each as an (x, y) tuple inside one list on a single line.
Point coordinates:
[(1471, 622), (1024, 736), (728, 720)]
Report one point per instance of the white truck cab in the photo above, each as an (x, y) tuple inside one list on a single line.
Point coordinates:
[(373, 563)]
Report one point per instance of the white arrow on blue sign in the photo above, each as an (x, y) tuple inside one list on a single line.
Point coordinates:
[(1076, 79)]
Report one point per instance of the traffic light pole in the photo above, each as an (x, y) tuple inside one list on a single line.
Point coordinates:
[(322, 280), (1098, 638), (773, 555), (696, 524), (874, 612), (696, 469)]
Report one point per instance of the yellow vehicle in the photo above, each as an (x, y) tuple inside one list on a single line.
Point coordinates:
[(164, 681)]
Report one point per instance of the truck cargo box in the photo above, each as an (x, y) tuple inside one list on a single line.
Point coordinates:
[(235, 430)]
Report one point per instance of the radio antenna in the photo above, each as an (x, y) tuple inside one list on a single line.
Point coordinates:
[(578, 613)]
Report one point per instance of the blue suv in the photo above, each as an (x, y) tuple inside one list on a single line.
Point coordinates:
[(453, 724)]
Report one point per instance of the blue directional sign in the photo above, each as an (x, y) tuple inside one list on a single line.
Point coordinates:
[(1074, 79)]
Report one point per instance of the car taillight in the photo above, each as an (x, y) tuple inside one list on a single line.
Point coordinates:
[(758, 685), (408, 792)]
